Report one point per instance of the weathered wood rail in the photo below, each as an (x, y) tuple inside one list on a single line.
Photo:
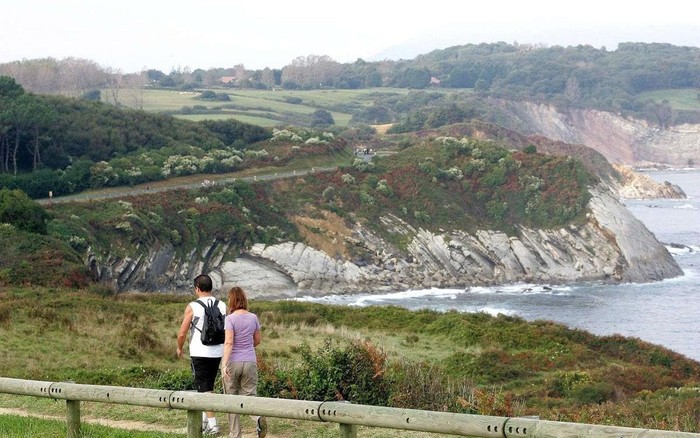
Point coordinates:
[(348, 416)]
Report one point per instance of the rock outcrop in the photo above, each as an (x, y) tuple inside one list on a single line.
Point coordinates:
[(611, 245), (634, 185)]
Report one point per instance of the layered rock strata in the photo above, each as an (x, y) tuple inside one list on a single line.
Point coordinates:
[(611, 245)]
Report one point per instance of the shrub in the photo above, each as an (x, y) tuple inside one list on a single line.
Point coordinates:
[(18, 209), (566, 381), (593, 394), (425, 386), (354, 372)]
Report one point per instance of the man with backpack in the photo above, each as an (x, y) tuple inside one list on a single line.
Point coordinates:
[(203, 320)]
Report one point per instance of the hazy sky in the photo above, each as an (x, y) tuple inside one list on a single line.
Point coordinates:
[(131, 35)]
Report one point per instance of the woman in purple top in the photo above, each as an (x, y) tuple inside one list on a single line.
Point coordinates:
[(239, 365)]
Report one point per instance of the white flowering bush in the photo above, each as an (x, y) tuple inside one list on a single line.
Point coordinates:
[(127, 206), (348, 179), (146, 159), (262, 153), (452, 173), (362, 165), (446, 140), (124, 226), (530, 183), (222, 154), (315, 140), (134, 171), (232, 161), (78, 243), (366, 198), (383, 188), (285, 135), (179, 165), (102, 174)]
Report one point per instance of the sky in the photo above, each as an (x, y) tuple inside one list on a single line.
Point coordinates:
[(130, 36)]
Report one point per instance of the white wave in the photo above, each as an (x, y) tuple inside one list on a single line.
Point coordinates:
[(364, 300), (686, 207), (689, 276), (521, 289), (493, 311), (676, 250), (436, 295)]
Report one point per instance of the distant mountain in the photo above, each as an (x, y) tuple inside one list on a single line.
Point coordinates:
[(596, 36)]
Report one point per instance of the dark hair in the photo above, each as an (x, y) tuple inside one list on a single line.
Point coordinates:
[(203, 282), (237, 299)]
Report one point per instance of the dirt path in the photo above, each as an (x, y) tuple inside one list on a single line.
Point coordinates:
[(189, 182)]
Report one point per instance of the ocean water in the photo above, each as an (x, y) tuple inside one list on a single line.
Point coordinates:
[(665, 313)]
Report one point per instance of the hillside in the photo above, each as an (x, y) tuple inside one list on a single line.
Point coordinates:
[(447, 211), (468, 363)]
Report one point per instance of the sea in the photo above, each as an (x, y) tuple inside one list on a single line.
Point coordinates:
[(665, 313)]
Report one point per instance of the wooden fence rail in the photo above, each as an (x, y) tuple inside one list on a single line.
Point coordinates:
[(348, 416)]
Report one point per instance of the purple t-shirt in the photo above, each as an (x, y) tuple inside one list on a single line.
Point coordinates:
[(244, 326)]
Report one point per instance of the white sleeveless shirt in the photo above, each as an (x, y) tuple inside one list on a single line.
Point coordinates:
[(197, 349)]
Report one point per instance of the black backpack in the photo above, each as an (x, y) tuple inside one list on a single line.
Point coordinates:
[(213, 325)]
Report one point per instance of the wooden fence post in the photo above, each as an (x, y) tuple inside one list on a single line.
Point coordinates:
[(194, 424), (348, 430), (73, 418)]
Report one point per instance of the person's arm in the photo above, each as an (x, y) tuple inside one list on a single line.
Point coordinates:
[(257, 338), (184, 327), (228, 345)]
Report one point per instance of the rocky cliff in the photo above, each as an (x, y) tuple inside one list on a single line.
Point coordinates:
[(620, 139), (612, 245), (634, 185)]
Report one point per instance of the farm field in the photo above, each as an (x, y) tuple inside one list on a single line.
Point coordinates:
[(267, 108), (679, 99)]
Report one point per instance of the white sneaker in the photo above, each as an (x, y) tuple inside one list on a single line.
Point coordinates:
[(210, 431), (261, 427)]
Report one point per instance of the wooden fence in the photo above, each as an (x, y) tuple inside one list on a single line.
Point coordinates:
[(348, 416)]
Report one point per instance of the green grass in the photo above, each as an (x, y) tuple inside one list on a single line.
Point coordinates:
[(265, 108), (683, 99), (259, 121), (12, 426)]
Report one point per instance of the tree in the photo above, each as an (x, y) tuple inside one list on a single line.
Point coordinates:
[(9, 88), (268, 78), (321, 117), (414, 78)]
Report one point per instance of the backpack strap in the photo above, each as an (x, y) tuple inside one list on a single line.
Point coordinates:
[(205, 308)]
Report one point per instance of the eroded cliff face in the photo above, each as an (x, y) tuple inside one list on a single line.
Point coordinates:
[(611, 245), (621, 140)]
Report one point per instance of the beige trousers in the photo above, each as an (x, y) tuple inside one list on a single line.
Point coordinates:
[(243, 380)]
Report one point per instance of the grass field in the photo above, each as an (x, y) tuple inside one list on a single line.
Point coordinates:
[(266, 108), (686, 99)]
